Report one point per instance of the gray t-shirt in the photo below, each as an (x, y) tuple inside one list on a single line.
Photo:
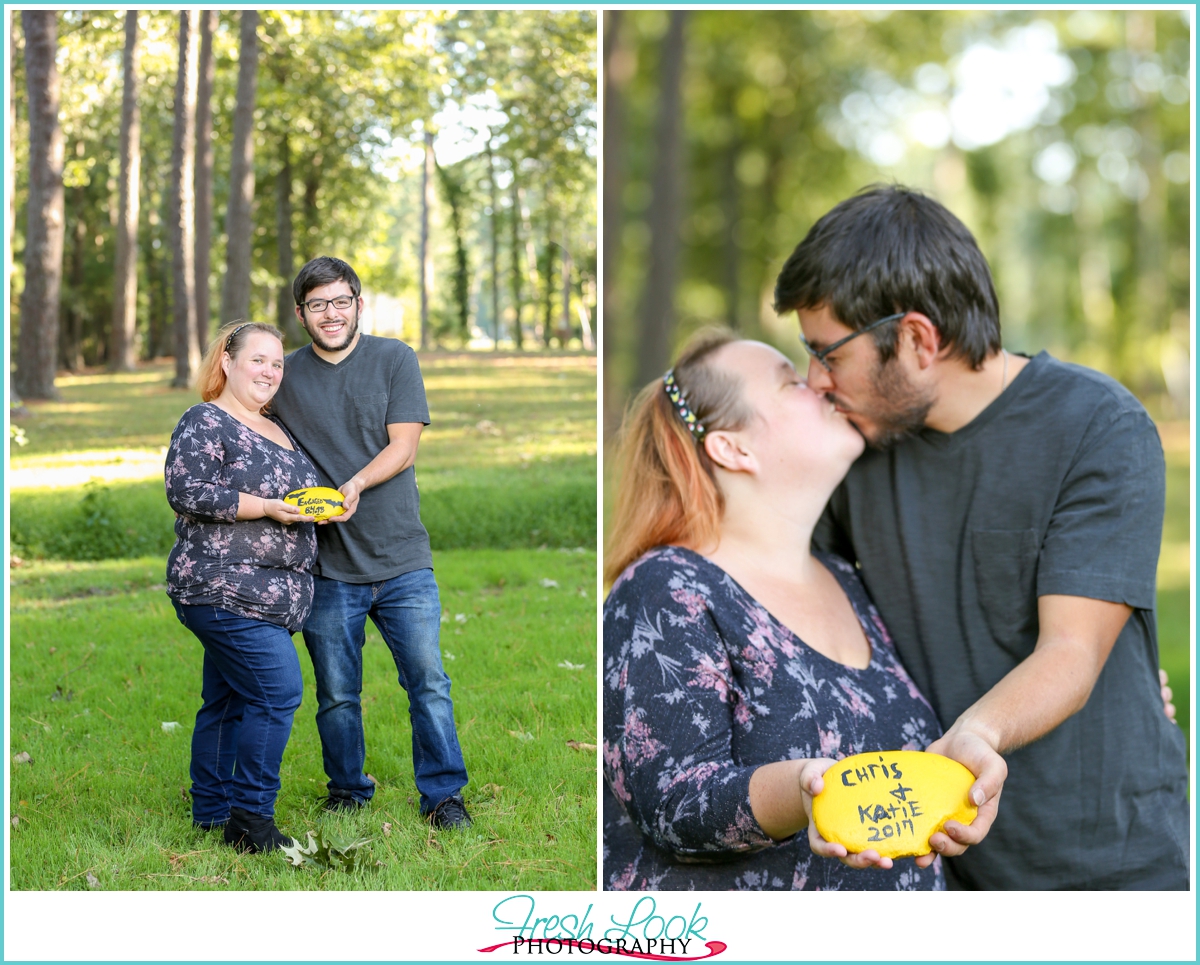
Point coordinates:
[(1056, 488), (339, 414)]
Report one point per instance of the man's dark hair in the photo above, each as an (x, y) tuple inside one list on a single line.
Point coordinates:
[(324, 271), (890, 249)]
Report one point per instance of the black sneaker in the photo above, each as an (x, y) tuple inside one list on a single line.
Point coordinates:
[(450, 813), (253, 833), (337, 803)]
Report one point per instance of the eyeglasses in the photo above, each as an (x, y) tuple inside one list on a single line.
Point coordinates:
[(821, 355), (317, 305)]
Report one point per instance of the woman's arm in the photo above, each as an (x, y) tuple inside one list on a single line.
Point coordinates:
[(192, 473), (255, 507), (781, 796)]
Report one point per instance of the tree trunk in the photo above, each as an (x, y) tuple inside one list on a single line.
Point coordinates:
[(530, 252), (204, 177), (618, 69), (239, 226), (565, 328), (495, 248), (70, 330), (37, 342), (514, 225), (426, 249), (455, 196), (285, 314), (657, 314), (312, 184), (548, 291), (10, 180), (123, 353), (182, 214)]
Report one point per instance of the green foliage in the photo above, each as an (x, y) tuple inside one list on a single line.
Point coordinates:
[(126, 520), (104, 793), (1082, 212), (93, 522), (347, 94)]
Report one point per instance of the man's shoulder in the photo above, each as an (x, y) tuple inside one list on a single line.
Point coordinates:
[(376, 346), (1085, 391)]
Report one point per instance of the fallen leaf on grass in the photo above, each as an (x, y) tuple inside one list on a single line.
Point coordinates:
[(330, 851), (551, 839), (169, 726), (92, 880), (16, 819), (580, 746), (521, 735), (567, 665), (22, 758), (387, 829), (492, 789)]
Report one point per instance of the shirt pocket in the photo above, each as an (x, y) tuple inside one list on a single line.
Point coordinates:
[(1005, 564), (370, 411)]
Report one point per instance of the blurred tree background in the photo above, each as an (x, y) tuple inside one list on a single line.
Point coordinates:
[(345, 106), (1061, 138)]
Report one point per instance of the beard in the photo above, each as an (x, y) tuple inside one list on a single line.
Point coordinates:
[(897, 408), (318, 337)]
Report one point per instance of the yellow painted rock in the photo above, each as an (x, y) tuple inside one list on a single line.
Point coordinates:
[(892, 801), (318, 502)]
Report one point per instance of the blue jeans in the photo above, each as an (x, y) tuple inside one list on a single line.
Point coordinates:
[(408, 613), (252, 687)]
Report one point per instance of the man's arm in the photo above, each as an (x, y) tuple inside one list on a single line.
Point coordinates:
[(394, 458), (1075, 637)]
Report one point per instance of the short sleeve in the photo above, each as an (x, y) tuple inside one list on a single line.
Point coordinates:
[(668, 752), (1105, 534), (406, 393)]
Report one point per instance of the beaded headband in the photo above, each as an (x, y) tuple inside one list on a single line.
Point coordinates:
[(679, 401), (229, 341)]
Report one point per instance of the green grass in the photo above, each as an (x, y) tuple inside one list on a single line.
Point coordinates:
[(104, 794)]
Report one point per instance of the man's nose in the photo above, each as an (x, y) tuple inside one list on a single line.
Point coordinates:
[(818, 377)]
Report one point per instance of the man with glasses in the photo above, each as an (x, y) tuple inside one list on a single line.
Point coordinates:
[(1006, 519), (356, 404)]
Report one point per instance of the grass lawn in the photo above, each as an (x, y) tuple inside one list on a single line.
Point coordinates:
[(99, 663)]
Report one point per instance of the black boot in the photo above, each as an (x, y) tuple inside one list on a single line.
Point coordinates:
[(253, 832)]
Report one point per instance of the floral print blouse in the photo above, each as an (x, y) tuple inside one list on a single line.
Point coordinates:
[(701, 687), (256, 568)]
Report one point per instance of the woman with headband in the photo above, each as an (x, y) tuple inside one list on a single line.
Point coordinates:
[(239, 577), (738, 664)]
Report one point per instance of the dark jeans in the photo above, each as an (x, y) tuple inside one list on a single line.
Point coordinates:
[(408, 612), (252, 687)]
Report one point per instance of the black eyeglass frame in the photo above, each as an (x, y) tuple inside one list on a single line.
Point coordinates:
[(821, 355), (327, 302)]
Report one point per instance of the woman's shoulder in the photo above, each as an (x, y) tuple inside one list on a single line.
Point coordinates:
[(658, 563), (669, 575), (202, 417)]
